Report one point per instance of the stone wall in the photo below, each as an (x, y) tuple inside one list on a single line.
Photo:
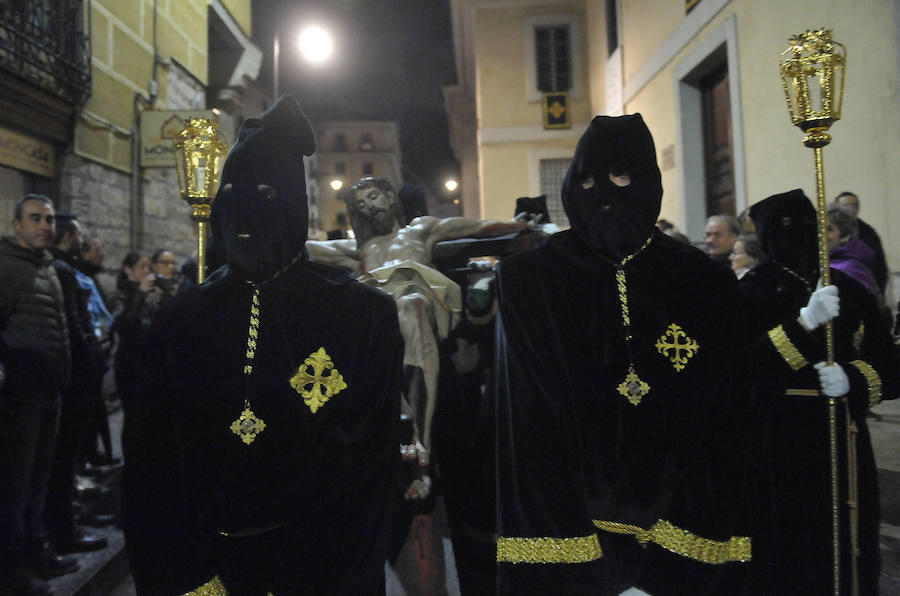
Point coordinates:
[(101, 196)]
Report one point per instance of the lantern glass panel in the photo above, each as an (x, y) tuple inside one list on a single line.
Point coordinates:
[(179, 167)]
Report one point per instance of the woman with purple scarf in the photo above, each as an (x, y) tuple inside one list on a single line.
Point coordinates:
[(848, 253)]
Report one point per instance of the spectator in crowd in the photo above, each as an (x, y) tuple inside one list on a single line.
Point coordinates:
[(34, 367), (847, 251), (720, 233), (88, 266), (849, 202), (746, 253), (162, 262), (132, 313), (88, 366)]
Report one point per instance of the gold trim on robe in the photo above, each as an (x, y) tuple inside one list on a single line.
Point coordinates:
[(786, 348), (681, 542), (581, 549), (873, 380)]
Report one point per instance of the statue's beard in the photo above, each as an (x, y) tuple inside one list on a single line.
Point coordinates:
[(382, 223)]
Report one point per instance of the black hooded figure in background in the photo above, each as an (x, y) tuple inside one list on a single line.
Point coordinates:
[(620, 425), (262, 453), (784, 329)]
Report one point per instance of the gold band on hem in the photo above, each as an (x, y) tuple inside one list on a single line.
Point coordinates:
[(786, 348), (681, 542), (213, 587), (581, 549), (873, 380), (802, 392)]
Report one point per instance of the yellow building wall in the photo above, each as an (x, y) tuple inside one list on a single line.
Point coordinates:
[(241, 11), (502, 106), (500, 66), (122, 66), (862, 156), (510, 173)]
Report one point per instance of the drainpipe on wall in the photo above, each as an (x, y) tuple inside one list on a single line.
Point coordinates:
[(136, 210)]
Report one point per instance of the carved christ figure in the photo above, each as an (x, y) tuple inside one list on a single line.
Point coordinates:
[(397, 259)]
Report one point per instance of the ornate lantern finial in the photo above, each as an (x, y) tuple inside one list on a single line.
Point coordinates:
[(812, 71), (199, 154)]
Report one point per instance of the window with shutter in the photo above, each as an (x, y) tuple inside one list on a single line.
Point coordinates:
[(553, 57)]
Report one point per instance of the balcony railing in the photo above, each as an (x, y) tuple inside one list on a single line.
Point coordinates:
[(44, 42)]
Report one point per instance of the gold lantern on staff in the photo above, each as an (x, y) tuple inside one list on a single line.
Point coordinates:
[(812, 72), (199, 154)]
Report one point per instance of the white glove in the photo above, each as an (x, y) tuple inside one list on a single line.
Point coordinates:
[(824, 305), (833, 379)]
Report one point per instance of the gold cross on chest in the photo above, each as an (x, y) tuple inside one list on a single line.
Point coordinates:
[(679, 349)]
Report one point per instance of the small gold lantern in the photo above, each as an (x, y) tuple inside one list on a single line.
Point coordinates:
[(812, 71), (200, 152)]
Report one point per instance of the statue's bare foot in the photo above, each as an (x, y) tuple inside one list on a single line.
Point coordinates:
[(419, 489)]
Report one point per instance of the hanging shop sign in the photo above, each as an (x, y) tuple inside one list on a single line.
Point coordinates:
[(26, 153), (158, 130)]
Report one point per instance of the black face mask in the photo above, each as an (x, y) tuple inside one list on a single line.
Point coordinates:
[(261, 229), (260, 215), (786, 227), (613, 220)]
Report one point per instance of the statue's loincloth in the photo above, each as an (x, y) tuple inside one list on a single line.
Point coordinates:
[(409, 277)]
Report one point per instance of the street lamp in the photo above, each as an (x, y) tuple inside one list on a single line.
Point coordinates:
[(336, 184), (451, 185), (314, 43)]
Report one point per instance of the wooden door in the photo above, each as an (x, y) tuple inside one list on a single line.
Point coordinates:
[(717, 143)]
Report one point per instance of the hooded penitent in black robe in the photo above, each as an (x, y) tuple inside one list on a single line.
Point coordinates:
[(792, 539), (619, 458), (262, 451)]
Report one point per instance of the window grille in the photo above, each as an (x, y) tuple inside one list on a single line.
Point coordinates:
[(553, 172), (553, 57), (45, 43)]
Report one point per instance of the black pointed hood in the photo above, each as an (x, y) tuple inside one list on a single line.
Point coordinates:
[(260, 216), (787, 229), (614, 221)]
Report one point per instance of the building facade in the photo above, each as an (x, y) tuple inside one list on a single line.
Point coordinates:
[(704, 75), (136, 57), (345, 152)]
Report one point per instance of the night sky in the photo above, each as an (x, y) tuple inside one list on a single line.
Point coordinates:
[(391, 59)]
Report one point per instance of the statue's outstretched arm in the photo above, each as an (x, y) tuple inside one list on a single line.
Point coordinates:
[(341, 253)]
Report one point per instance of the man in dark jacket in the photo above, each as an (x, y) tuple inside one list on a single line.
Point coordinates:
[(620, 419), (263, 446), (77, 397), (34, 367)]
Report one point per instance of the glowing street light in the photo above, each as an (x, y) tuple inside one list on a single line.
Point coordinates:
[(315, 44), (336, 184), (451, 185)]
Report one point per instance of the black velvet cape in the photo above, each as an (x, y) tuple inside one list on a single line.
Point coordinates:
[(307, 504), (572, 451), (792, 538)]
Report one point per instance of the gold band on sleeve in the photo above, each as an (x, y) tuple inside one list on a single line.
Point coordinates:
[(213, 587), (873, 380), (681, 542), (787, 349), (581, 549)]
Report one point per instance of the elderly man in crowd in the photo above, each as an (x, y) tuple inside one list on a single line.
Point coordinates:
[(720, 234)]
